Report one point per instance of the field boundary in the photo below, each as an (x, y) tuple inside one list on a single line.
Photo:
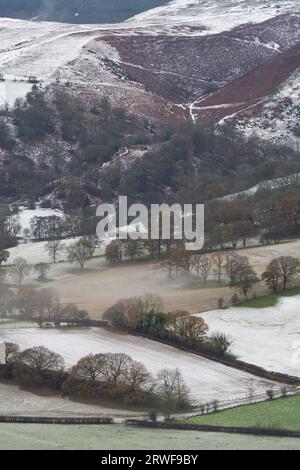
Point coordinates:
[(234, 363), (210, 428), (55, 420), (59, 420)]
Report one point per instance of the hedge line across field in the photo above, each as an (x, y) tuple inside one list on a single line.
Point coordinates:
[(209, 428)]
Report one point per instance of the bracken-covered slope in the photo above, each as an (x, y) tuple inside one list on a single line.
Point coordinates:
[(206, 61)]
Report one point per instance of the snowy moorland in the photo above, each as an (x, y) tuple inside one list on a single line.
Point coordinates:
[(268, 337), (277, 117), (214, 16), (158, 64), (207, 380)]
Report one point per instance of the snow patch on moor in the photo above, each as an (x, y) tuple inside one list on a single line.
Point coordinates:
[(276, 118), (215, 16)]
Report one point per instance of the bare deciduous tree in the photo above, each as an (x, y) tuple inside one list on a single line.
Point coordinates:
[(116, 367), (282, 271), (90, 368), (20, 270), (12, 351), (172, 391), (91, 242), (41, 359), (53, 248), (42, 270), (79, 253), (218, 260)]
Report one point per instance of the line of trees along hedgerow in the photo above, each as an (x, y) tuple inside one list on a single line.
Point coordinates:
[(183, 164), (115, 377)]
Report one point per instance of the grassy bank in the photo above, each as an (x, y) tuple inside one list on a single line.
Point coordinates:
[(269, 300), (279, 414)]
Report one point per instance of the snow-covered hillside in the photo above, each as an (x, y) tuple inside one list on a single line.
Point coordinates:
[(214, 16), (278, 117), (39, 49), (160, 64)]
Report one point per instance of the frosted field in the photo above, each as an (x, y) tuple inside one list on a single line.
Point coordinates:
[(26, 215), (14, 401), (58, 437), (207, 380), (268, 337), (36, 253)]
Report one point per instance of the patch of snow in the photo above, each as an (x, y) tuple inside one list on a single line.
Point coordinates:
[(35, 252), (26, 215), (276, 118), (214, 16), (268, 337), (275, 183)]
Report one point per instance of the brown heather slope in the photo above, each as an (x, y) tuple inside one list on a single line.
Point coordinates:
[(248, 90), (181, 68)]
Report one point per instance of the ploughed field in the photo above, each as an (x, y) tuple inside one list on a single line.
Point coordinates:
[(207, 380)]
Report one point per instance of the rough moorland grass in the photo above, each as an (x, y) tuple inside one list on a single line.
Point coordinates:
[(269, 300), (280, 414)]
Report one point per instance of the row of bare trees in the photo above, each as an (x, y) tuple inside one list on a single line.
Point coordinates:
[(78, 253), (235, 269), (105, 376), (43, 305)]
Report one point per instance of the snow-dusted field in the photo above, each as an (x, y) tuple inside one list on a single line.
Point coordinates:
[(14, 401), (26, 215), (207, 380), (267, 337), (35, 252)]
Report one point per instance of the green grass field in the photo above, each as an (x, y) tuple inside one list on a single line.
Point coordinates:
[(281, 414), (269, 300), (60, 437)]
